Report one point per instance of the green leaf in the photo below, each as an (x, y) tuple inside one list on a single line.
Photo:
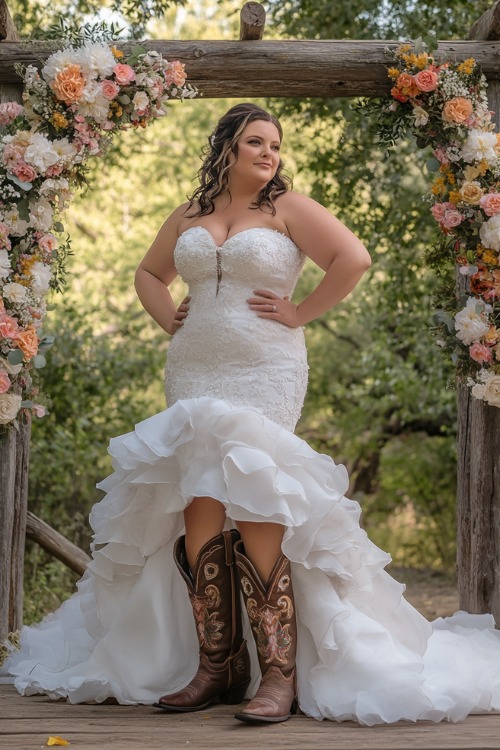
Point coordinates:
[(39, 361), (432, 164), (58, 227), (23, 209), (124, 99), (15, 357), (46, 342)]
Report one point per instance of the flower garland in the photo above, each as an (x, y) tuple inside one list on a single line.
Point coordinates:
[(445, 105), (70, 113)]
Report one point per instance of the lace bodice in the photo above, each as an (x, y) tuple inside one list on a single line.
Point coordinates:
[(223, 349)]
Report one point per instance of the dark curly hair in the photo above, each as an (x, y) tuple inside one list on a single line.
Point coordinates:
[(213, 174)]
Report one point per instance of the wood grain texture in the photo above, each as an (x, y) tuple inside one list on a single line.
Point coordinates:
[(7, 28), (252, 21), (488, 25), (14, 461), (277, 68), (56, 544), (27, 723)]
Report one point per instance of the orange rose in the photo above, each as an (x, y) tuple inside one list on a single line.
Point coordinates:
[(68, 84), (28, 342), (426, 80), (457, 110)]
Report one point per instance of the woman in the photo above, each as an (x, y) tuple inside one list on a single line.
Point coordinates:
[(244, 217), (330, 626)]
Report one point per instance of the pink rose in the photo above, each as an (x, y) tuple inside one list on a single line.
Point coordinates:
[(452, 218), (4, 381), (175, 73), (109, 89), (490, 203), (123, 73), (480, 353), (12, 154), (438, 210), (47, 243), (9, 328), (9, 111), (440, 155), (54, 171), (426, 80), (24, 172)]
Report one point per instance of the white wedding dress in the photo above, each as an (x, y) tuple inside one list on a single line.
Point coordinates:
[(235, 386)]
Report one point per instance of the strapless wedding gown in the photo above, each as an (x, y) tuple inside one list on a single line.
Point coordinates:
[(235, 387)]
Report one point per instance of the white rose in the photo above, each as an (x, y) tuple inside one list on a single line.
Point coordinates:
[(140, 100), (40, 153), (478, 391), (10, 403), (5, 267), (420, 116), (480, 144), (490, 232), (469, 325), (492, 390), (41, 275), (17, 227), (41, 215), (14, 292)]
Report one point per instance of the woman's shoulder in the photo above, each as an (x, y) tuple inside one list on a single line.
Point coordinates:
[(297, 207)]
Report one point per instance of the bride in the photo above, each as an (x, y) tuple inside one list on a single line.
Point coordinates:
[(217, 496)]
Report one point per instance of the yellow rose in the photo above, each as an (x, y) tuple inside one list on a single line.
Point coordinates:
[(471, 192)]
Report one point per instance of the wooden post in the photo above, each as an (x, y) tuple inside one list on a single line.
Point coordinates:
[(478, 495), (252, 21), (14, 455)]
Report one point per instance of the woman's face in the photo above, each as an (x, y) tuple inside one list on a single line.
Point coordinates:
[(258, 152)]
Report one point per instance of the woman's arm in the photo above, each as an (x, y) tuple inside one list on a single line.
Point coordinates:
[(332, 246), (156, 271)]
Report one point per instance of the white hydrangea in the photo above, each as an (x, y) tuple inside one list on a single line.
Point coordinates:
[(95, 59), (41, 276), (469, 324), (14, 292), (5, 267), (40, 153), (490, 232), (480, 144), (64, 149)]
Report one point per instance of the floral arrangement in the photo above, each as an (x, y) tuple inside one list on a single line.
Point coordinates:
[(70, 112), (445, 105)]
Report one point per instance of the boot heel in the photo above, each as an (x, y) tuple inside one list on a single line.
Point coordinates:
[(235, 694), (294, 707)]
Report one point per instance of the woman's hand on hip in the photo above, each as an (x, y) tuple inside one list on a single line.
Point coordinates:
[(268, 305), (181, 313)]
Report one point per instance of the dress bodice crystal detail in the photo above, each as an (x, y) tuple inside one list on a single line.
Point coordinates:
[(223, 349)]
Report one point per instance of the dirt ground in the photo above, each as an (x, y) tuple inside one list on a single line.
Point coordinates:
[(433, 593)]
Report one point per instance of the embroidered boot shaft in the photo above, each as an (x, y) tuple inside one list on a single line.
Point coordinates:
[(271, 610), (224, 671)]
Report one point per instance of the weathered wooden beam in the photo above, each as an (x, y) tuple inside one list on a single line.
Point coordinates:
[(488, 25), (7, 28), (56, 544), (252, 21), (277, 68)]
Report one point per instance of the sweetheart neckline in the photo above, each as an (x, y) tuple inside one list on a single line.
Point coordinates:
[(242, 231)]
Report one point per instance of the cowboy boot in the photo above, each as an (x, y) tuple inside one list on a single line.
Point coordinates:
[(271, 612), (224, 671)]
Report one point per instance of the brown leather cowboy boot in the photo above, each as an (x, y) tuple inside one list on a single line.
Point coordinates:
[(272, 617), (224, 671)]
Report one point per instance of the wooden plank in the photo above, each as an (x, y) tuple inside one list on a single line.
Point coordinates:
[(27, 723), (277, 68)]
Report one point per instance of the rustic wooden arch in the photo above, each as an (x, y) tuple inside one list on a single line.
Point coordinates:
[(327, 68)]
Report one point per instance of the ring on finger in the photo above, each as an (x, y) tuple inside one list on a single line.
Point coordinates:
[(274, 308)]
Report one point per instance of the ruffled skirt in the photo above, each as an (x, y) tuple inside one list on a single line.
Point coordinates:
[(364, 652)]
